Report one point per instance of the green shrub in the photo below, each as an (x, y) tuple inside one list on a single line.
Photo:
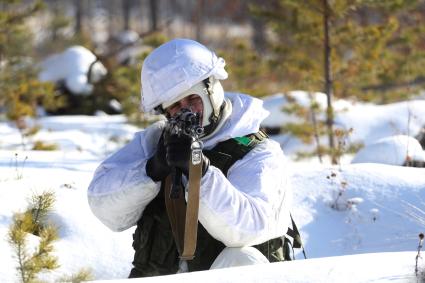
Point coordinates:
[(40, 145)]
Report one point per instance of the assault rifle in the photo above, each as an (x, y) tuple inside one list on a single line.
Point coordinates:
[(187, 123), (184, 217)]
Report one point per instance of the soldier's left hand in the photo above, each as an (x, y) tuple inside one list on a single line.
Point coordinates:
[(178, 153)]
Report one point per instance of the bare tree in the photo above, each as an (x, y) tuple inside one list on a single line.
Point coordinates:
[(259, 34), (199, 20), (258, 25), (153, 9), (54, 27), (78, 4), (328, 77), (126, 7)]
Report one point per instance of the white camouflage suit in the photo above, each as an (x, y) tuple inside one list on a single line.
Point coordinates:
[(248, 207)]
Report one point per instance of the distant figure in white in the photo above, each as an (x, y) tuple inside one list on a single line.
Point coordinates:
[(77, 68), (245, 196)]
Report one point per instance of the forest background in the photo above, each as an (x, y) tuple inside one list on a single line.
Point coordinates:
[(358, 49)]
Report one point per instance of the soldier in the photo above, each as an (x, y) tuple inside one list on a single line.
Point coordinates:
[(245, 194)]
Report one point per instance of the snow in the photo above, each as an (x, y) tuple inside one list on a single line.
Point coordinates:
[(372, 122), (359, 221), (394, 267), (369, 122), (276, 102), (393, 150)]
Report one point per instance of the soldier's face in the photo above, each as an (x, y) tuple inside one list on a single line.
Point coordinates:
[(192, 102)]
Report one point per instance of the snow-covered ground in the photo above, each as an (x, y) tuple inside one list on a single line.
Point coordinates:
[(359, 222), (386, 125), (381, 267)]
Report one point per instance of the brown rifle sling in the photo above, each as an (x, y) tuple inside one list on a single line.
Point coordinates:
[(176, 210), (184, 219)]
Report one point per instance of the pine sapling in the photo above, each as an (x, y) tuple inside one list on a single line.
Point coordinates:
[(82, 275), (30, 264), (32, 222), (40, 206)]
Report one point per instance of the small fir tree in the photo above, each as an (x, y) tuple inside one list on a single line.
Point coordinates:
[(81, 276), (30, 264), (40, 206)]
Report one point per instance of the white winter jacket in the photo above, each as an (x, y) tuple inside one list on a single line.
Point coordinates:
[(248, 207)]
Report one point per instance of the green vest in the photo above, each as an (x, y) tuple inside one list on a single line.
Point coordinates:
[(153, 242)]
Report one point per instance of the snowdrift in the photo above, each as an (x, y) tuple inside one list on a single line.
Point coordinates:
[(384, 267)]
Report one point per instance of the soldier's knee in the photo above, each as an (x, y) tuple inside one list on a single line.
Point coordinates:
[(231, 257)]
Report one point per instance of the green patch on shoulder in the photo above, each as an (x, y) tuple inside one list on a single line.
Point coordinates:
[(243, 140)]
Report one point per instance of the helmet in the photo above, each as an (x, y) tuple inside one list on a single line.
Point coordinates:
[(179, 68), (212, 95)]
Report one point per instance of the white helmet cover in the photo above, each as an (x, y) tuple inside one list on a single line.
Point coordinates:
[(175, 67)]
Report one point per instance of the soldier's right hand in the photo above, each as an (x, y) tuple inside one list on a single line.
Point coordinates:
[(156, 167)]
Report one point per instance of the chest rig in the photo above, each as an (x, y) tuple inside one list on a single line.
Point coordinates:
[(155, 250)]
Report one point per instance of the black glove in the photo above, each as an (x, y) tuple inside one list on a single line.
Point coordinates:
[(178, 153), (156, 167)]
